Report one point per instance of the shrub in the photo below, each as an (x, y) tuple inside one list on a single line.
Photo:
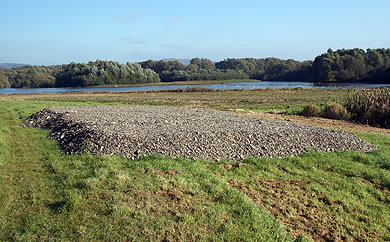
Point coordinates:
[(336, 111), (311, 110), (370, 106)]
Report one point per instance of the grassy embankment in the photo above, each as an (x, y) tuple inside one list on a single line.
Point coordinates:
[(45, 195)]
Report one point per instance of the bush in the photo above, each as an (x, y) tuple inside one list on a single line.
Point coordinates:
[(336, 111), (311, 110), (370, 106)]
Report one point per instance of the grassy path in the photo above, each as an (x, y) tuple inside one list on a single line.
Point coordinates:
[(24, 184)]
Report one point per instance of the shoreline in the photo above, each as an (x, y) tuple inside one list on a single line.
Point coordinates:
[(207, 82), (191, 86)]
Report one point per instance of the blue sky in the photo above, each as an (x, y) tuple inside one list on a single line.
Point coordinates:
[(55, 32)]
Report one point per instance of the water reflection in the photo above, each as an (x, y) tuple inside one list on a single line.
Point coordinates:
[(238, 85)]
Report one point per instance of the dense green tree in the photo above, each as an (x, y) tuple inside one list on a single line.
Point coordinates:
[(161, 66), (3, 79), (104, 73), (78, 75), (352, 65), (345, 65), (202, 75), (202, 64), (31, 76), (192, 67), (322, 69), (271, 69), (198, 69), (374, 59)]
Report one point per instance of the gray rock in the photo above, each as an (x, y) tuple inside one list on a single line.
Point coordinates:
[(185, 132)]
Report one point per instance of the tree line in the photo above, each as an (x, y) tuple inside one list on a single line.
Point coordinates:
[(351, 65), (77, 75), (198, 69)]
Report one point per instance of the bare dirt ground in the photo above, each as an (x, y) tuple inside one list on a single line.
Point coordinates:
[(318, 122)]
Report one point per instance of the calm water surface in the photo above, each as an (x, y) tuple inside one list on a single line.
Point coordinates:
[(238, 85)]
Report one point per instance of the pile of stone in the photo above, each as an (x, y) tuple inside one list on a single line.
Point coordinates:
[(185, 132)]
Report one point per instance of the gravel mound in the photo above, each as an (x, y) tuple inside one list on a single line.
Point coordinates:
[(182, 132)]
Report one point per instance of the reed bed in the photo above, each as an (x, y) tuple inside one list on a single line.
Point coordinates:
[(370, 106)]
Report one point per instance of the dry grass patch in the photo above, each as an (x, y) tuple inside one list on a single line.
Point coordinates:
[(311, 110), (336, 111)]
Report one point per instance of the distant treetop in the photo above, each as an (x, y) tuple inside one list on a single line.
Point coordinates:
[(344, 65)]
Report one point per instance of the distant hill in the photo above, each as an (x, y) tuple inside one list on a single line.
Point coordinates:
[(11, 65), (184, 61)]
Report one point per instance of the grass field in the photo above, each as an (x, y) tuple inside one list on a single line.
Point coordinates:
[(45, 195), (281, 100)]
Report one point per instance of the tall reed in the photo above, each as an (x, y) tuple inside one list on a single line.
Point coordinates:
[(370, 106)]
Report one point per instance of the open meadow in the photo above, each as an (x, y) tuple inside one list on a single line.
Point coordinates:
[(45, 195)]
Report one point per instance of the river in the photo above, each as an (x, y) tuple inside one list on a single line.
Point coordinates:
[(237, 85)]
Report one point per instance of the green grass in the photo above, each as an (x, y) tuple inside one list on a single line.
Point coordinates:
[(45, 195), (48, 196), (3, 141), (337, 196)]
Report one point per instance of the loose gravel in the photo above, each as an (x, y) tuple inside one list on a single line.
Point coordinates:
[(185, 132)]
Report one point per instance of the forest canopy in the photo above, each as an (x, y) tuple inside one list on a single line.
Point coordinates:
[(78, 75), (104, 73), (352, 65)]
